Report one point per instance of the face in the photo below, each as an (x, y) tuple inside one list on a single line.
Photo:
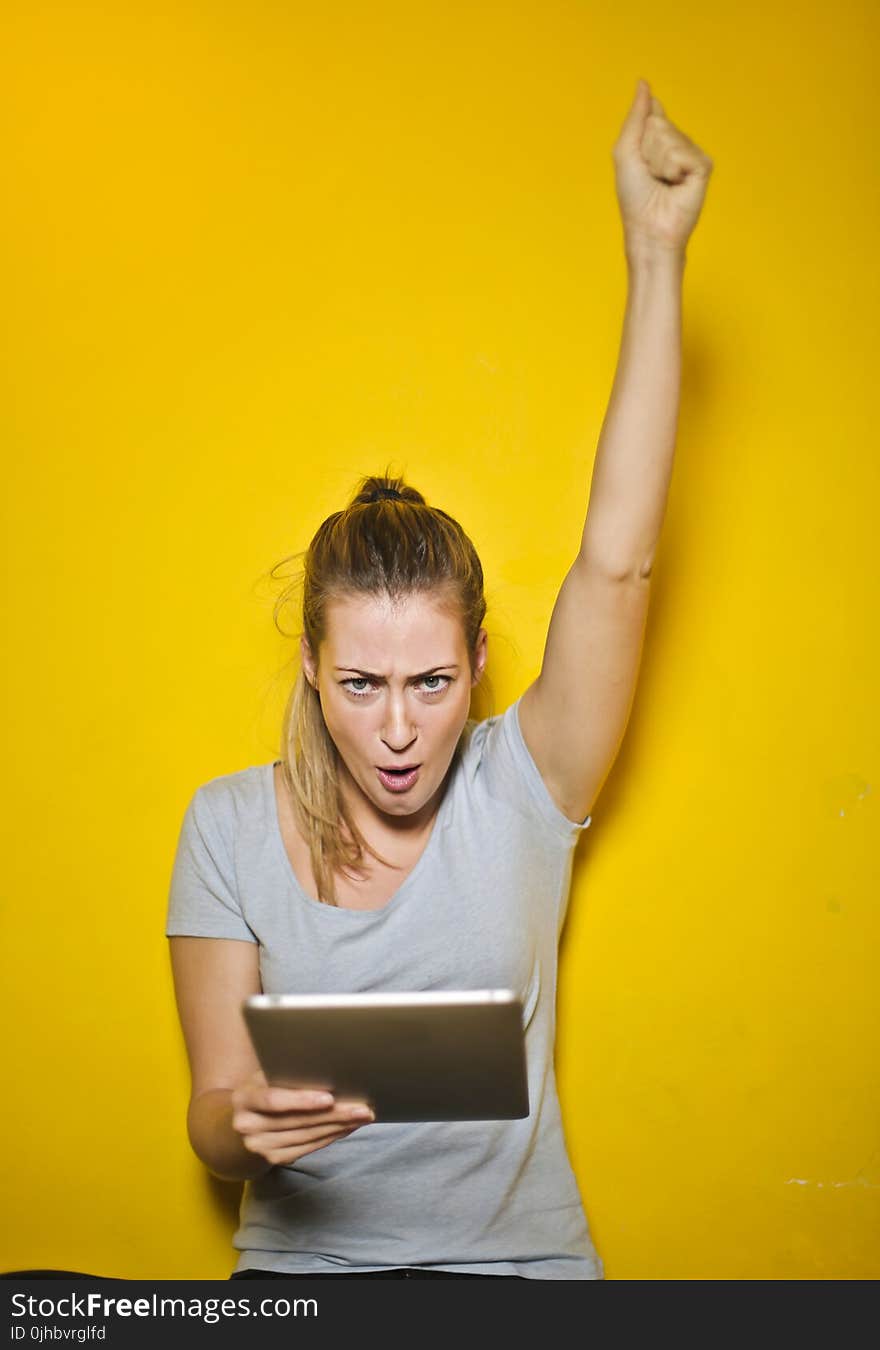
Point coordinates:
[(395, 685)]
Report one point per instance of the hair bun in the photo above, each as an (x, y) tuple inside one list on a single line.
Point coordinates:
[(386, 488), (378, 493)]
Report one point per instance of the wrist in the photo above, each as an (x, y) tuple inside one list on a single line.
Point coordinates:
[(648, 256)]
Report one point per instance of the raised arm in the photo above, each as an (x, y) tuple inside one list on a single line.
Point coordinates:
[(574, 715)]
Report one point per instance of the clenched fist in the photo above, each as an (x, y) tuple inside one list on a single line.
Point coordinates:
[(661, 177)]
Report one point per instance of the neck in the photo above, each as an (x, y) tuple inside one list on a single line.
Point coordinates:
[(388, 834)]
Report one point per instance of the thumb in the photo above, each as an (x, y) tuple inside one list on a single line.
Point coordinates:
[(634, 123)]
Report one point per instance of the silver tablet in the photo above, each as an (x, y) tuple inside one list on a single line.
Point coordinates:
[(450, 1055)]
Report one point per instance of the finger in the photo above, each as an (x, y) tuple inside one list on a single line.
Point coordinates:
[(278, 1146), (350, 1111), (297, 1099), (323, 1143), (352, 1103), (269, 1099), (257, 1122), (634, 123), (282, 1139), (668, 153)]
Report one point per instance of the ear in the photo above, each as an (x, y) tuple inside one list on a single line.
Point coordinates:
[(310, 666), (480, 654)]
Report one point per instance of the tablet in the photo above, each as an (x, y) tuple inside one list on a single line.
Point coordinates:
[(449, 1055)]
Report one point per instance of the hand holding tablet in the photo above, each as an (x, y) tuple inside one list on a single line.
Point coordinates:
[(450, 1055), (283, 1124)]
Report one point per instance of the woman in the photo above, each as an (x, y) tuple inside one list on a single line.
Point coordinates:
[(397, 845)]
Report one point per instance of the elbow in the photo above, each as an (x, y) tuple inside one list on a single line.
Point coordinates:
[(620, 571), (611, 555)]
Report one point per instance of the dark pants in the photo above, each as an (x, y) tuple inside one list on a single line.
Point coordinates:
[(403, 1273)]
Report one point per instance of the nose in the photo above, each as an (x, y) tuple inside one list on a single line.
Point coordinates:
[(398, 731)]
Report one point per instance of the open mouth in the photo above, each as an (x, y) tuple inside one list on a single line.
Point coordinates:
[(398, 780)]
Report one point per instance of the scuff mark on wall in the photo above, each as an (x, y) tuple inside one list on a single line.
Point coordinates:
[(846, 793), (858, 1181)]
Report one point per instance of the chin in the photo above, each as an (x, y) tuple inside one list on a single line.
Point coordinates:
[(403, 805)]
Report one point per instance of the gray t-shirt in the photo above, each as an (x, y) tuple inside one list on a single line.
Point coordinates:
[(482, 909)]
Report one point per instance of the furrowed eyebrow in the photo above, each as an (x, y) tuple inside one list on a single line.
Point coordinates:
[(371, 675)]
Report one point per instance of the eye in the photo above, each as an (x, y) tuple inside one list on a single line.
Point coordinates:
[(357, 680), (438, 688)]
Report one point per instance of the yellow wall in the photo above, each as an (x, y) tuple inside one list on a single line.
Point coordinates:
[(252, 251)]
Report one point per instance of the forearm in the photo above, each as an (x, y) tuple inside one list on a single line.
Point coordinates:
[(633, 465), (209, 1122)]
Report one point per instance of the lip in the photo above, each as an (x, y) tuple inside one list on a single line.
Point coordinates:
[(399, 782)]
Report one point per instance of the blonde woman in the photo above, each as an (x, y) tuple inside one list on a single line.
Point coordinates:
[(398, 845)]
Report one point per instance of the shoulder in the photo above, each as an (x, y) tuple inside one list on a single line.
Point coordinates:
[(231, 799), (241, 785), (483, 756), (223, 815), (476, 739), (497, 756), (485, 735)]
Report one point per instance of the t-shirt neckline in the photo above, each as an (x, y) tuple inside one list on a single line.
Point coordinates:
[(357, 915)]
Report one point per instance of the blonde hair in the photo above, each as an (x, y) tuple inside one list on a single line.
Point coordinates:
[(387, 541)]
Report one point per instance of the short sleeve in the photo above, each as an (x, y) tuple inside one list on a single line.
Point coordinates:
[(203, 899), (512, 775)]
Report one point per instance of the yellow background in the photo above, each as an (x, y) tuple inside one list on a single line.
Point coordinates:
[(252, 251)]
